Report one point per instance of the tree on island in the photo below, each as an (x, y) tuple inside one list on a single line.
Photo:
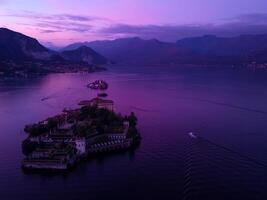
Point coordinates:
[(52, 123), (36, 129), (132, 119), (28, 147), (82, 129), (87, 111)]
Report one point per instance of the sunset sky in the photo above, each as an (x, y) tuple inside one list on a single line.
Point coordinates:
[(66, 21)]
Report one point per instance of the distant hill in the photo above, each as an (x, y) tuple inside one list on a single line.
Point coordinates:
[(74, 46), (221, 46), (138, 51), (18, 47), (84, 54), (259, 56), (21, 55), (204, 50)]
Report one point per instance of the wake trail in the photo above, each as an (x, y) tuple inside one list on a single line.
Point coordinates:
[(226, 105), (142, 109), (203, 139)]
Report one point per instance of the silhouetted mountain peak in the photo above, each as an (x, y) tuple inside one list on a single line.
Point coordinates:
[(84, 48), (84, 54), (135, 50), (16, 46), (234, 46)]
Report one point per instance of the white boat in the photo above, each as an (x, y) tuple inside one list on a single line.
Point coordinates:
[(192, 135)]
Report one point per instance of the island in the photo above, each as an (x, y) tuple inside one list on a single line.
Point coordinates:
[(98, 85), (60, 142)]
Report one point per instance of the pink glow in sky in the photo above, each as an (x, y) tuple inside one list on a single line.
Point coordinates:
[(67, 21)]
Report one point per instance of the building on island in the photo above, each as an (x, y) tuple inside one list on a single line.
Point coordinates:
[(100, 103), (51, 158)]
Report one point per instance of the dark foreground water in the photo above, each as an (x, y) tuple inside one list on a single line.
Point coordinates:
[(227, 109)]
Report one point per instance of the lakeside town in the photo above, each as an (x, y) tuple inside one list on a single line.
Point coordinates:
[(62, 141), (35, 69)]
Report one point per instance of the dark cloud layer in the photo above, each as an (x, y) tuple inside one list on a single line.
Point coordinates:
[(245, 24), (253, 18), (253, 23)]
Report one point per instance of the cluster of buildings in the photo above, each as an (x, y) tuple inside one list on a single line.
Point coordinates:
[(257, 66), (101, 103), (61, 148)]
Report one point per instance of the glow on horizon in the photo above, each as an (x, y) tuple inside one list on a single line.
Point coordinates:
[(67, 21)]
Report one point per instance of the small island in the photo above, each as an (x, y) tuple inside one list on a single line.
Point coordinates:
[(60, 142), (98, 85)]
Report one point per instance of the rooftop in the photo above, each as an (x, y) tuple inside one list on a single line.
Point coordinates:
[(96, 100)]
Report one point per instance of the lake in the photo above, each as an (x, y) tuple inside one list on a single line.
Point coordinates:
[(227, 109)]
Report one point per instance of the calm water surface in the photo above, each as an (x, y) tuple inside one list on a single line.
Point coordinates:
[(227, 109)]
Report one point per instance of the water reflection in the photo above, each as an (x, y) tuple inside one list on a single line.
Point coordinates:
[(169, 104)]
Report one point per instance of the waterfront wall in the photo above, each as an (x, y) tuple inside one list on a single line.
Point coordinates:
[(44, 165), (109, 146)]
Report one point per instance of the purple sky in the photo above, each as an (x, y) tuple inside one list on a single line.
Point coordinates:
[(66, 21)]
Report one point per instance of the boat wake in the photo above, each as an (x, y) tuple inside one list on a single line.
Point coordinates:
[(142, 109), (194, 136), (213, 171), (227, 105)]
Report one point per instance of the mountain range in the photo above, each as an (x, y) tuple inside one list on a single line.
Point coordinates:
[(18, 48), (213, 45), (209, 49), (84, 54), (138, 51)]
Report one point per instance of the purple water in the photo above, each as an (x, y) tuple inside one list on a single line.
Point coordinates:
[(226, 108)]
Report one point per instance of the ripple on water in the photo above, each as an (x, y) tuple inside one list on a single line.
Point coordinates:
[(215, 172)]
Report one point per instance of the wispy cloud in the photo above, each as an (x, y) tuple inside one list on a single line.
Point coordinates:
[(55, 23), (49, 31), (40, 16), (68, 28), (59, 26), (252, 18)]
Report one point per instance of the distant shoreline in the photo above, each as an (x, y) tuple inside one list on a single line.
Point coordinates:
[(11, 74)]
